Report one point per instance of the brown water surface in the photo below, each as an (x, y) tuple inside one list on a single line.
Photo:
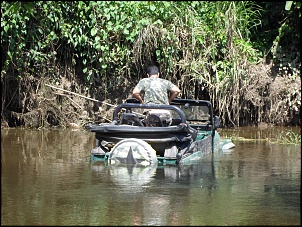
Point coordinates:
[(48, 179)]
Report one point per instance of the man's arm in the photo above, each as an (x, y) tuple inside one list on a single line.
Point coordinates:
[(174, 92), (136, 94)]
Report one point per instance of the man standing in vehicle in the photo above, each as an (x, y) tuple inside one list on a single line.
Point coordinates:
[(156, 90)]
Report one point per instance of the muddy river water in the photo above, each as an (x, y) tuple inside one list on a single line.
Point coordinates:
[(48, 179)]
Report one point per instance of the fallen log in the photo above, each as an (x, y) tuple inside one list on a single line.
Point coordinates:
[(70, 92), (95, 100)]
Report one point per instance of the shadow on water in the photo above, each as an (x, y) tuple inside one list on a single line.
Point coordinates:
[(48, 179)]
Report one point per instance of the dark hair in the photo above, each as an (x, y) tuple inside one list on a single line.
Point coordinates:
[(152, 70)]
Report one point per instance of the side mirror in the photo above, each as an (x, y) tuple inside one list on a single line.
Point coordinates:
[(216, 122)]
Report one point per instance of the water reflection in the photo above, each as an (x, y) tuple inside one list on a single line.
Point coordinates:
[(48, 179), (152, 195), (139, 177), (122, 175)]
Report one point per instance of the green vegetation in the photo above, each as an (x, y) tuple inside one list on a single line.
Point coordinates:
[(288, 137), (212, 50), (273, 136)]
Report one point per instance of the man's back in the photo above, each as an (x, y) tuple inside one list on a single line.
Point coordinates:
[(156, 90)]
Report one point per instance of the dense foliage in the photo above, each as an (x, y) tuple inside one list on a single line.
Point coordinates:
[(212, 50)]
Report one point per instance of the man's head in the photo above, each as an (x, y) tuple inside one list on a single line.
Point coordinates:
[(152, 70)]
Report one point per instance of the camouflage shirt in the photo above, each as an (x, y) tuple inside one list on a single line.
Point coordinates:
[(156, 90)]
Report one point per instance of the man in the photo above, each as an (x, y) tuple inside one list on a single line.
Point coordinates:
[(156, 90)]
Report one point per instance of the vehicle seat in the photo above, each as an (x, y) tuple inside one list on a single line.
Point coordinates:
[(158, 118), (131, 119)]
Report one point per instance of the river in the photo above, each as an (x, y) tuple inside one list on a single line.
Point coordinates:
[(47, 178)]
